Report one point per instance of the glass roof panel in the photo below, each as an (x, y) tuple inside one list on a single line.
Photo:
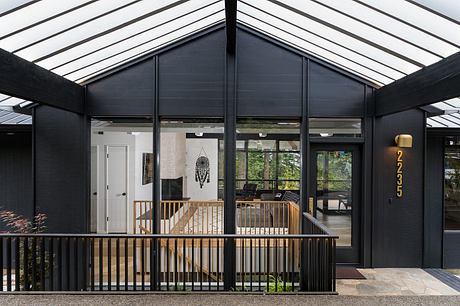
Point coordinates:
[(393, 26), (7, 5), (448, 8), (333, 35), (314, 50), (56, 25), (283, 22), (370, 34), (162, 41), (114, 38), (12, 101), (433, 123), (160, 26), (420, 17), (35, 13), (94, 27)]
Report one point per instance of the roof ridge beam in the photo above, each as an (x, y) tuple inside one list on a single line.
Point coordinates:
[(230, 25)]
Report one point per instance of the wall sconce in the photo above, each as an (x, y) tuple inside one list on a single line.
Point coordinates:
[(404, 140)]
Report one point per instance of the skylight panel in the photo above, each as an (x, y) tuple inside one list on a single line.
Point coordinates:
[(393, 26), (35, 13), (420, 17), (314, 50), (54, 26), (162, 41), (113, 39), (159, 25)]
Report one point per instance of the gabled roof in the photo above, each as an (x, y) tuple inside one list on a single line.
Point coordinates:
[(380, 41)]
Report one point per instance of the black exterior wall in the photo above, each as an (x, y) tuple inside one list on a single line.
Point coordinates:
[(434, 193), (60, 165), (16, 171), (398, 222)]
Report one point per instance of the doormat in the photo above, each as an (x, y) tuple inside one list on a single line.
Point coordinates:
[(348, 273)]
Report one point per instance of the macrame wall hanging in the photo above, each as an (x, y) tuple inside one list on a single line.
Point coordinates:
[(202, 171)]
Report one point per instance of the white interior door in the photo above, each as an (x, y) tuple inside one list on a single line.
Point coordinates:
[(117, 186), (94, 188)]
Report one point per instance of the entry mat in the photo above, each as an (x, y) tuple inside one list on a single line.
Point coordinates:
[(348, 273), (446, 277)]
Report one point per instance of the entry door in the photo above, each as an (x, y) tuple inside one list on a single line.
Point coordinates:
[(335, 188), (116, 199)]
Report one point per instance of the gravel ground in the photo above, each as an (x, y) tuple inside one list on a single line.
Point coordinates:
[(222, 299)]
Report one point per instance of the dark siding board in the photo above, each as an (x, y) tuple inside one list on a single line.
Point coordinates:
[(127, 93), (434, 203), (16, 174), (191, 78), (451, 249), (60, 169), (333, 94), (398, 226), (269, 78)]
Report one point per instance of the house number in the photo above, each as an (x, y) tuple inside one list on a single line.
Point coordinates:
[(399, 174)]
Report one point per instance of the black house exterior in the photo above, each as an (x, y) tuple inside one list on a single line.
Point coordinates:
[(48, 168)]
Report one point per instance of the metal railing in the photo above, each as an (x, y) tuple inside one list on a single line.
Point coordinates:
[(320, 271), (93, 262)]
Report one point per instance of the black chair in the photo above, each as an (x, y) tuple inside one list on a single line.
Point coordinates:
[(247, 193), (290, 196)]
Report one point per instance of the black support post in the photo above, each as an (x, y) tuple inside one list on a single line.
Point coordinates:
[(156, 172), (305, 170), (229, 172)]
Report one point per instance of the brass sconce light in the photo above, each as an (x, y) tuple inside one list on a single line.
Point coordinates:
[(404, 140)]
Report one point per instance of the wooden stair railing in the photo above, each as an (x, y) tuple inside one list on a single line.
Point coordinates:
[(181, 255)]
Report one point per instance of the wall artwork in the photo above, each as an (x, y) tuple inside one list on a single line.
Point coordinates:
[(147, 168), (202, 170)]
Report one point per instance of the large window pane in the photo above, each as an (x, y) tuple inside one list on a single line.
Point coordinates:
[(452, 184), (337, 127), (121, 174), (267, 158)]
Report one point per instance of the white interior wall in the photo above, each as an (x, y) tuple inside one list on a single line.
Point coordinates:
[(101, 141), (144, 144), (193, 148)]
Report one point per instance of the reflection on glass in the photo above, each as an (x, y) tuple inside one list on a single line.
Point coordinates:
[(452, 186), (337, 127), (334, 192), (267, 157)]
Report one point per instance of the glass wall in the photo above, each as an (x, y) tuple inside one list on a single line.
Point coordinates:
[(267, 158), (192, 177), (452, 184), (121, 173)]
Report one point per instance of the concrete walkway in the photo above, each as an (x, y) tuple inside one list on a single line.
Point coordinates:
[(394, 281), (224, 299)]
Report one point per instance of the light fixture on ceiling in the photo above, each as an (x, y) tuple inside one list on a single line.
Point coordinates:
[(404, 140), (262, 135), (199, 134), (325, 134)]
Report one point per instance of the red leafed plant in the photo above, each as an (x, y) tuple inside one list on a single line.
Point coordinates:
[(18, 224)]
